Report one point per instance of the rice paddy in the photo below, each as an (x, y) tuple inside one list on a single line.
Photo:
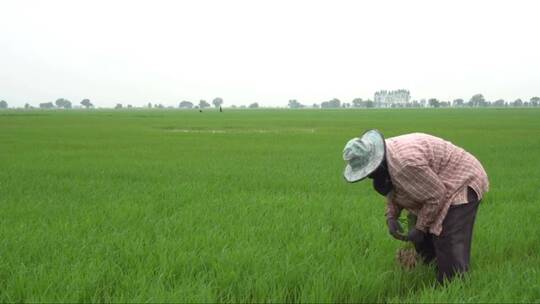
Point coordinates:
[(245, 206)]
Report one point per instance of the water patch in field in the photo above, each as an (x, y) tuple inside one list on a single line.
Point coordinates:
[(242, 131)]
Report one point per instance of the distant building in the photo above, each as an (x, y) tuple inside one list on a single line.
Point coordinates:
[(388, 99)]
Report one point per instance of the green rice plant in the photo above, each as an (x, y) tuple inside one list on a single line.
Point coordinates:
[(116, 206)]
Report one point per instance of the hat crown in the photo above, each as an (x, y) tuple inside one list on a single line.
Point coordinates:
[(357, 152)]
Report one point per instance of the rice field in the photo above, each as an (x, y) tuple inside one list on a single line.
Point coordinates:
[(245, 206)]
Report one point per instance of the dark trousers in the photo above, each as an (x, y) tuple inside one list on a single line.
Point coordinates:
[(452, 248)]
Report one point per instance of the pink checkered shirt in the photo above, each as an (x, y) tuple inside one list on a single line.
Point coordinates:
[(429, 174)]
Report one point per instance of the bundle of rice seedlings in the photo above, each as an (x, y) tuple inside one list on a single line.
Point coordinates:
[(406, 256)]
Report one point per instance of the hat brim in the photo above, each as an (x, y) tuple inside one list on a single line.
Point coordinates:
[(375, 158)]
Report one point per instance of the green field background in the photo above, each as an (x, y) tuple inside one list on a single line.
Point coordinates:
[(245, 206)]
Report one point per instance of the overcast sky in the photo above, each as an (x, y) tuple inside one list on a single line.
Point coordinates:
[(134, 52)]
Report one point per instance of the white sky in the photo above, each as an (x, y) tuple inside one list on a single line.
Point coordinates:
[(266, 51)]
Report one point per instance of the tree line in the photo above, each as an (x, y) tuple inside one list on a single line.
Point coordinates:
[(476, 100), (60, 103)]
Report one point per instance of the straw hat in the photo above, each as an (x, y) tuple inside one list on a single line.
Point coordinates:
[(363, 155)]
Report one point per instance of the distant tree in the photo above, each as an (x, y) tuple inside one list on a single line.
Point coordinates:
[(358, 102), (3, 104), (129, 106), (477, 100), (294, 104), (242, 106), (203, 104), (233, 106), (457, 102), (433, 102), (498, 103), (118, 106), (217, 102), (518, 102), (254, 105), (185, 104), (370, 103), (334, 103), (27, 106), (63, 103), (159, 106), (444, 104), (535, 101), (149, 105), (315, 106), (46, 105), (86, 103)]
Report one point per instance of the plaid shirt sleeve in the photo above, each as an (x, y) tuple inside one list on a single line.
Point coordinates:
[(423, 185)]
